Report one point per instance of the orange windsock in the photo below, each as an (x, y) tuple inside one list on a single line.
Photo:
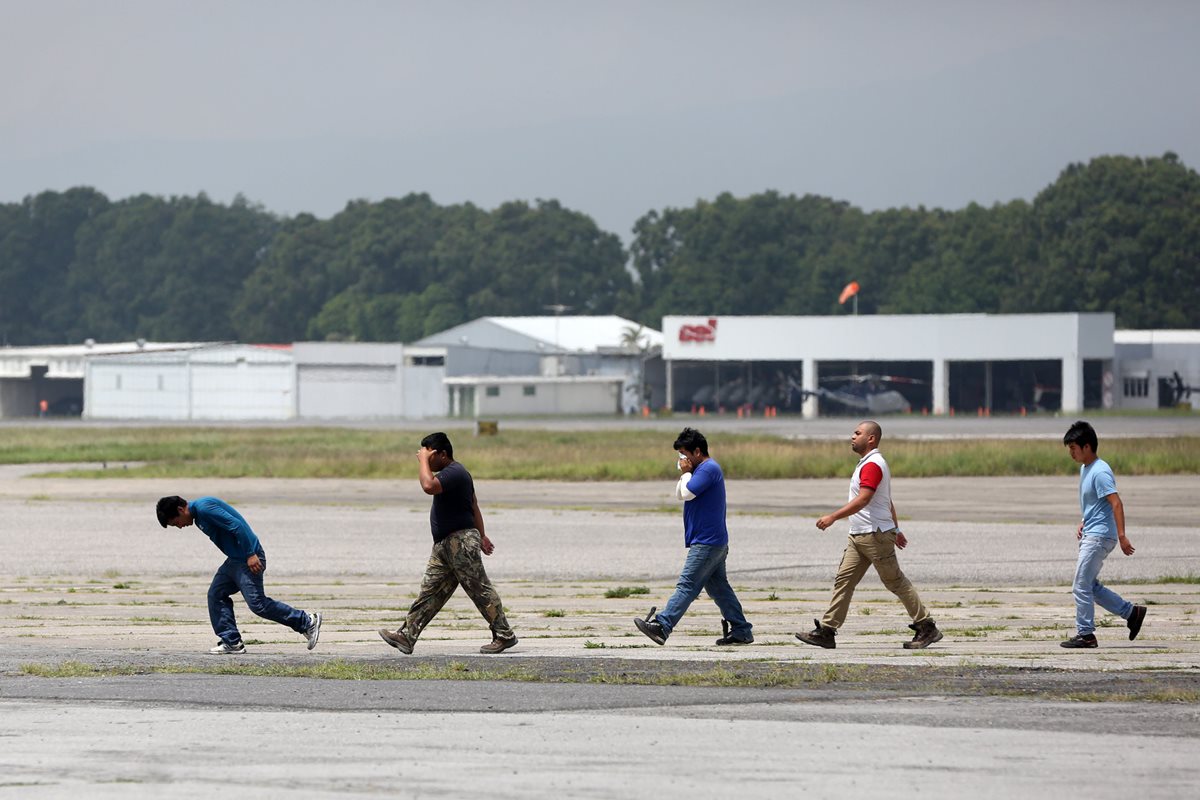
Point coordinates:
[(850, 290)]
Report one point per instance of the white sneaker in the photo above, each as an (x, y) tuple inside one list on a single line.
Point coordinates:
[(314, 630), (223, 649)]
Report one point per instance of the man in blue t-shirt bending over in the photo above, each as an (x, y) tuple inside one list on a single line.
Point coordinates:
[(702, 488), (242, 571), (1100, 531)]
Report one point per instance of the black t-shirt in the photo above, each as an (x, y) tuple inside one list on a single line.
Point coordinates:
[(452, 510)]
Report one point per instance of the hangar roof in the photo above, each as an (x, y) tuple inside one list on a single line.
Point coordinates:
[(579, 334)]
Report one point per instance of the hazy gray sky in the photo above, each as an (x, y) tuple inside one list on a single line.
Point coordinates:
[(612, 107)]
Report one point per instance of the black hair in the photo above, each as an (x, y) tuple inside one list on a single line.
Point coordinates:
[(439, 442), (168, 508), (691, 440), (1082, 434)]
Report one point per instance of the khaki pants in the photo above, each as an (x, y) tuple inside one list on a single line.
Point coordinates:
[(862, 551), (456, 561)]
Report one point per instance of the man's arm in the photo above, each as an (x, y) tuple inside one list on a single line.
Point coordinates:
[(239, 531), (429, 482), (853, 507), (1118, 508), (901, 541), (699, 481), (485, 544), (681, 488)]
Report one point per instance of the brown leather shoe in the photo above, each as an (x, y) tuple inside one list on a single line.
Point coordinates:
[(498, 645), (927, 633), (820, 636), (398, 640)]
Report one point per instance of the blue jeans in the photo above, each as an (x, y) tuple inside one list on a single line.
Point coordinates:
[(233, 577), (1088, 589), (704, 569)]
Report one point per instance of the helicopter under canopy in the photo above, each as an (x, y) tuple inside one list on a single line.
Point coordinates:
[(870, 393)]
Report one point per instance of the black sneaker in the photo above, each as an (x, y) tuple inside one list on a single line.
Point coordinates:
[(727, 636), (1134, 623), (820, 636), (226, 649), (926, 633), (1077, 641), (652, 627)]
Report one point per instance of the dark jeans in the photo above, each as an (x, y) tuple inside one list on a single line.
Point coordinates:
[(704, 569), (233, 577)]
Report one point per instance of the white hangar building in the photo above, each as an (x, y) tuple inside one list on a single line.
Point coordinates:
[(546, 365), (939, 364), (309, 380), (492, 366), (1158, 369), (49, 381)]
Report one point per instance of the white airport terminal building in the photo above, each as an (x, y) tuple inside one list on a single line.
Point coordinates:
[(534, 366)]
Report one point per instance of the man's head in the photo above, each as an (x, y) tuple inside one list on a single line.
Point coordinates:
[(443, 451), (692, 444), (866, 437), (173, 510), (1081, 442)]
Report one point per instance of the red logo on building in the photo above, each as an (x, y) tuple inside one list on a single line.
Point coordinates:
[(699, 333)]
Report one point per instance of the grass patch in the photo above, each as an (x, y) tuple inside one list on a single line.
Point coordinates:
[(961, 679), (978, 632), (626, 591), (554, 612), (1167, 695), (1191, 578), (629, 455), (329, 670)]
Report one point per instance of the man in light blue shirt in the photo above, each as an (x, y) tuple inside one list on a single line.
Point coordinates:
[(1100, 530), (242, 571)]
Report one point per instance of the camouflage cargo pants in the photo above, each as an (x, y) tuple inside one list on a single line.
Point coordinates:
[(456, 560)]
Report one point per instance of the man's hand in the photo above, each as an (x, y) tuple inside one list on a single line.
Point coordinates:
[(901, 541), (683, 465), (825, 521), (485, 544), (1126, 545), (255, 565), (1079, 531), (424, 454)]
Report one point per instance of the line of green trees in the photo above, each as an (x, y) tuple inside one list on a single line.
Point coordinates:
[(1117, 234)]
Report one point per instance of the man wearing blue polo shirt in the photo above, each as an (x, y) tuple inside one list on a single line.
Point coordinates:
[(242, 571), (1101, 529), (702, 488)]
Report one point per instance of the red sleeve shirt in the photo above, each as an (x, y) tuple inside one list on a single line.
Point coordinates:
[(870, 476)]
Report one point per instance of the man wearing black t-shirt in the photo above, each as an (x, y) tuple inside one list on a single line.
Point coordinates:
[(458, 540)]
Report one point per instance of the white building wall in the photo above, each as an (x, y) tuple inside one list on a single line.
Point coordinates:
[(548, 398), (337, 380), (883, 337), (425, 393), (123, 390), (238, 382), (243, 391)]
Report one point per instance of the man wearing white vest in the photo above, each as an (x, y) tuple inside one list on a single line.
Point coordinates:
[(874, 537)]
